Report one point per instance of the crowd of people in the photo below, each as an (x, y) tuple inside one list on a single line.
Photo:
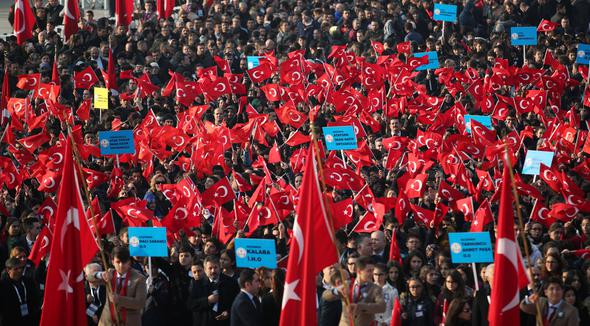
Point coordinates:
[(204, 116)]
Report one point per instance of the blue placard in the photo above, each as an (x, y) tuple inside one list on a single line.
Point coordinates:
[(533, 160), (523, 35), (147, 242), (254, 253), (471, 247), (116, 142), (340, 138), (583, 54), (485, 120), (445, 13), (252, 61), (432, 60)]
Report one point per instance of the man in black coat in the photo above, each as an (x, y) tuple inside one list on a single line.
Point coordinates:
[(19, 297), (245, 311), (96, 294), (221, 292)]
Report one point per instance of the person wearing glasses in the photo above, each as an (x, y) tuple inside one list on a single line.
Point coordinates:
[(417, 307), (389, 294)]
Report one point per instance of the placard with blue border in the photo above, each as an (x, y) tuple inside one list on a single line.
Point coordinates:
[(340, 138), (533, 160), (485, 120), (147, 242), (523, 35), (252, 61), (254, 253), (445, 13), (583, 54), (471, 247), (432, 60), (116, 142)]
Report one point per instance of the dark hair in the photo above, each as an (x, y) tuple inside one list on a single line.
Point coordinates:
[(277, 285), (552, 280), (362, 262), (455, 308), (121, 253), (13, 263), (211, 259), (186, 249), (247, 275)]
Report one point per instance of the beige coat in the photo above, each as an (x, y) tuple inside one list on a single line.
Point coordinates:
[(566, 314), (368, 305), (133, 302)]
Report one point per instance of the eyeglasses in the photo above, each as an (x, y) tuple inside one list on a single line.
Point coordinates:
[(551, 262), (378, 274)]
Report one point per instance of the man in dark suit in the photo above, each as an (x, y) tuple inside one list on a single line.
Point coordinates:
[(222, 291), (245, 311), (96, 294), (481, 303), (19, 297)]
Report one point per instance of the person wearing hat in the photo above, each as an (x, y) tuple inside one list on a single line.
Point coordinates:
[(20, 301)]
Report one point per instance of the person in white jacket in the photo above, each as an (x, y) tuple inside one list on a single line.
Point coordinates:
[(389, 294)]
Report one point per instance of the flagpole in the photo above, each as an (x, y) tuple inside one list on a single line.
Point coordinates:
[(87, 193), (318, 165), (521, 228)]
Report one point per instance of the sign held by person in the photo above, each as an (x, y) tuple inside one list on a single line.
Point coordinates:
[(254, 253)]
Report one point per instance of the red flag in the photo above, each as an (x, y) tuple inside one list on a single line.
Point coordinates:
[(41, 246), (71, 18), (85, 78), (405, 47), (164, 8), (546, 26), (465, 206), (260, 73), (123, 12), (28, 81), (343, 211), (394, 253), (83, 111), (415, 187), (111, 80), (4, 98), (396, 314), (483, 216), (274, 155), (72, 247), (312, 233), (504, 303), (24, 20), (221, 192)]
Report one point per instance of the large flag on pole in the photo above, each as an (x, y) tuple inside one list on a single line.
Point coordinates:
[(71, 18), (72, 247), (24, 20), (312, 249), (504, 303)]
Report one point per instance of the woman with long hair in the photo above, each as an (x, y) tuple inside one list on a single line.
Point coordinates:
[(395, 276), (553, 266), (272, 301), (459, 313), (453, 288)]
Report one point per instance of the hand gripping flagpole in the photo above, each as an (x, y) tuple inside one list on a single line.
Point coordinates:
[(87, 193), (314, 142), (539, 317)]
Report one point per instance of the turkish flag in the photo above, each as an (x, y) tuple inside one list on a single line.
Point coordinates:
[(402, 207), (213, 89), (47, 211), (396, 314), (133, 211), (312, 233), (28, 81), (289, 115), (342, 213), (465, 206), (72, 247), (85, 78), (483, 216), (220, 193), (546, 26), (550, 177), (123, 12), (41, 246), (394, 252), (71, 18), (164, 8), (415, 187), (24, 20), (106, 225), (260, 73), (504, 303), (33, 142), (404, 47)]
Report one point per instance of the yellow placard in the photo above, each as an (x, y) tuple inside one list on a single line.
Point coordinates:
[(101, 98)]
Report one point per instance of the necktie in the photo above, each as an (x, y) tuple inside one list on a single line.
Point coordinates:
[(119, 283), (552, 310), (256, 304)]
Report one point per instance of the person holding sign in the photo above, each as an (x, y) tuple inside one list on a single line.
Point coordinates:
[(129, 290), (246, 308)]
